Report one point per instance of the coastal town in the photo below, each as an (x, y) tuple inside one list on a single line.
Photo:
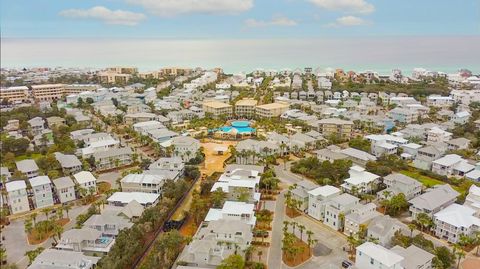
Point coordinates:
[(194, 168)]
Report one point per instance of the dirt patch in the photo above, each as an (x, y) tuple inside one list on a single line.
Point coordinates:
[(189, 228), (292, 213), (470, 263), (103, 187), (300, 258), (34, 238)]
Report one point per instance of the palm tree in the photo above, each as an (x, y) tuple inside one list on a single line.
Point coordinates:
[(28, 225), (248, 252), (424, 220), (285, 225), (259, 254), (34, 218), (46, 211), (294, 225), (301, 228), (309, 241), (459, 252), (67, 208), (411, 227)]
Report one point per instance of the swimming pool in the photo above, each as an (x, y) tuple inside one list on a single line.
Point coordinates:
[(240, 124), (240, 130)]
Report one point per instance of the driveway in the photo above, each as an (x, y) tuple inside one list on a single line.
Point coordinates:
[(110, 177), (16, 239)]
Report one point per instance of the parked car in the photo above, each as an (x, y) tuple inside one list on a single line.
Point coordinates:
[(347, 264)]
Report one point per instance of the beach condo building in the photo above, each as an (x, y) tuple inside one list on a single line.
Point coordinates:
[(218, 109), (272, 110)]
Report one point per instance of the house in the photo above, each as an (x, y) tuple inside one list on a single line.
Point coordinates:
[(86, 181), (337, 206), (398, 183), (414, 257), (133, 118), (425, 157), (473, 199), (330, 154), (215, 241), (403, 115), (55, 121), (454, 221), (37, 125), (385, 144), (86, 240), (70, 163), (236, 211), (358, 157), (359, 218), (98, 143), (143, 127), (42, 191), (124, 198), (60, 259), (434, 200), (461, 117), (108, 223), (246, 148), (318, 199), (185, 147), (384, 227), (240, 184), (17, 196), (170, 165), (301, 193), (452, 165), (458, 143), (28, 167), (435, 134), (113, 158), (360, 181), (65, 189), (410, 150), (439, 101), (161, 135), (302, 141), (149, 183), (372, 256)]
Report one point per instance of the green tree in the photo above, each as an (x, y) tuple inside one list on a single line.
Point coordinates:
[(232, 262)]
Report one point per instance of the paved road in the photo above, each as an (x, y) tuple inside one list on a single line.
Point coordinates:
[(275, 251), (110, 177), (285, 175), (16, 240)]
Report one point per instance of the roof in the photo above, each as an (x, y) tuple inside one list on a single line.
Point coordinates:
[(382, 225), (15, 185), (381, 254), (334, 121), (52, 258), (414, 257), (143, 178), (448, 160), (63, 182), (184, 140), (358, 154), (345, 199), (140, 197), (273, 106), (324, 191), (132, 209), (39, 181), (458, 216), (246, 102), (67, 161), (435, 198), (358, 175), (79, 235), (216, 104), (84, 177), (112, 152), (26, 166), (397, 177), (461, 141), (107, 219)]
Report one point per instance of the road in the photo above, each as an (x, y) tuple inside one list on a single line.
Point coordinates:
[(275, 250)]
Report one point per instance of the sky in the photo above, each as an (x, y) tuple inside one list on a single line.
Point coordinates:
[(227, 19), (242, 34)]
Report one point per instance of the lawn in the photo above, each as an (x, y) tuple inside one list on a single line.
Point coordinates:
[(430, 182), (34, 156)]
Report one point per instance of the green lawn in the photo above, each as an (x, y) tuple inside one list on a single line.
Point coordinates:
[(34, 156), (428, 181)]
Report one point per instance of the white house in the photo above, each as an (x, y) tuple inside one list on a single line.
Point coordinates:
[(42, 191), (57, 259), (414, 257), (398, 183), (185, 147), (436, 134), (237, 211), (384, 227), (341, 204), (452, 165), (373, 256), (28, 167), (360, 216), (461, 117), (86, 180), (454, 221), (360, 181), (65, 189), (434, 200), (318, 198), (17, 196), (149, 183)]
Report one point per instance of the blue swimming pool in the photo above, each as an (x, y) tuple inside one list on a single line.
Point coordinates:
[(240, 130), (240, 124)]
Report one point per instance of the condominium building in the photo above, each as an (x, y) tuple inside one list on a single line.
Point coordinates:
[(271, 110), (123, 70), (14, 95), (79, 88), (338, 127), (218, 109), (176, 71), (112, 77), (245, 107), (47, 92)]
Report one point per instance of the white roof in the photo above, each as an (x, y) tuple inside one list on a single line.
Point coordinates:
[(84, 177), (458, 216), (381, 254), (412, 145), (15, 185), (231, 207), (449, 160), (324, 191), (39, 181), (358, 175), (143, 178), (141, 197)]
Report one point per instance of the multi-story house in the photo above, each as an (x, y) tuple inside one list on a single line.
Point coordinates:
[(454, 221), (86, 240), (149, 183), (338, 127), (383, 228), (240, 184), (218, 109), (403, 115), (17, 196), (414, 257), (358, 157), (452, 165), (133, 118), (398, 183), (249, 150), (112, 158), (47, 92), (108, 223), (439, 101), (425, 157), (185, 147), (215, 241), (436, 134), (245, 108), (434, 200), (65, 189), (337, 206), (28, 167), (56, 259), (70, 163), (360, 181), (301, 193), (458, 143), (37, 125), (359, 218), (372, 256), (271, 110), (236, 211), (86, 180), (42, 191), (174, 165)]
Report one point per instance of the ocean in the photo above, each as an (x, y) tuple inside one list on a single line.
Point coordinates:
[(381, 54)]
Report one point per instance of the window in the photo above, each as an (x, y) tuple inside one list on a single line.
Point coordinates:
[(371, 261)]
